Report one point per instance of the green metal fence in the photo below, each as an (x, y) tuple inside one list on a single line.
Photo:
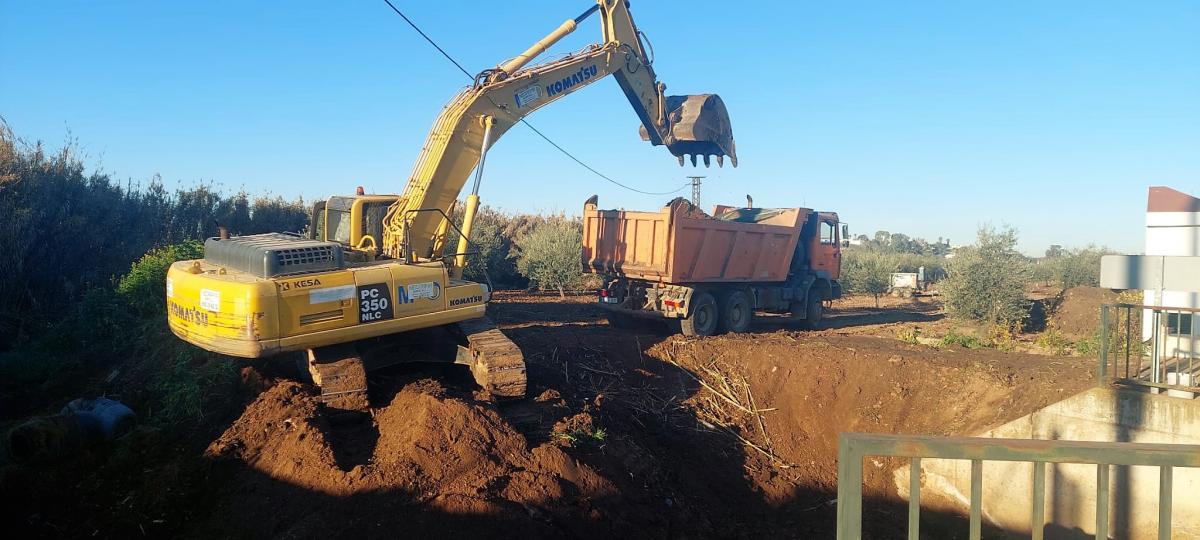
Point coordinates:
[(853, 447), (1150, 346)]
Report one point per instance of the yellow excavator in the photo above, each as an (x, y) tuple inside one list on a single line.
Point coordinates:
[(372, 284)]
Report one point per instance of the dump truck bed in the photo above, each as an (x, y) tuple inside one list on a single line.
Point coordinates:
[(681, 244)]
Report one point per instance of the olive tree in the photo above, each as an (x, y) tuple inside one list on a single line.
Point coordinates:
[(867, 272), (986, 281), (550, 255)]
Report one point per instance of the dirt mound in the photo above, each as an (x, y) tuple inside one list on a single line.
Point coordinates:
[(813, 388), (1078, 314), (425, 454), (627, 434)]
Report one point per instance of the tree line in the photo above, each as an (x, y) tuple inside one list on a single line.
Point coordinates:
[(984, 281), (67, 230)]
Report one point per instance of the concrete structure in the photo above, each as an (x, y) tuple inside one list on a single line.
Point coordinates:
[(1100, 414), (1173, 230)]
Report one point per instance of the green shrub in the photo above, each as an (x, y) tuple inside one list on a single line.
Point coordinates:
[(986, 281), (968, 341), (909, 335), (1053, 341), (1069, 268), (867, 272), (144, 287), (66, 231), (550, 256)]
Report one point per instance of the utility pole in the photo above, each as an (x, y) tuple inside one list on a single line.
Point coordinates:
[(696, 190)]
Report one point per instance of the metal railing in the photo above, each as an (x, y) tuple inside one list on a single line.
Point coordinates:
[(853, 447), (1150, 346)]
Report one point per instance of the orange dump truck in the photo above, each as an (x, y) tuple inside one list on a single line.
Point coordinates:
[(712, 272)]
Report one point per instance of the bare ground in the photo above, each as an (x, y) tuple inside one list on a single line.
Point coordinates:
[(627, 434)]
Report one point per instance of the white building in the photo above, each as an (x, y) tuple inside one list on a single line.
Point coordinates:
[(1173, 230)]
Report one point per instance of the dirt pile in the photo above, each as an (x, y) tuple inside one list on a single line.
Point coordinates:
[(426, 454), (1078, 314), (813, 388), (627, 434)]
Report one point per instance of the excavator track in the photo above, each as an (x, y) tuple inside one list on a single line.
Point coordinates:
[(339, 373), (496, 362)]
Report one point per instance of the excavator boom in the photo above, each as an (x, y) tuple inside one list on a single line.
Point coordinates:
[(695, 125)]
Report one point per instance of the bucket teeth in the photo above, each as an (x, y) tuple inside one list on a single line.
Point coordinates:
[(707, 163), (720, 161), (693, 160), (680, 160)]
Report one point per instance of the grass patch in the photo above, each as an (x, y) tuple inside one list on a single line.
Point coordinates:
[(967, 341), (582, 436)]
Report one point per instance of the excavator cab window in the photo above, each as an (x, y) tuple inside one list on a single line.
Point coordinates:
[(338, 224), (372, 220), (316, 230)]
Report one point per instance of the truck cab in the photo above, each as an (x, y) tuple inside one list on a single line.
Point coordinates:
[(826, 246)]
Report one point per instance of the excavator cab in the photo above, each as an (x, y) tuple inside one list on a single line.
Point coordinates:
[(355, 222)]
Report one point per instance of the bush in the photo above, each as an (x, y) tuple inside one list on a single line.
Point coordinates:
[(1053, 341), (144, 287), (909, 335), (867, 272), (65, 231), (1071, 268), (986, 281), (122, 330), (550, 255), (968, 341)]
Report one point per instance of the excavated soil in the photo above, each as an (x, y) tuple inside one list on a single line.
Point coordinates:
[(1078, 314), (637, 434)]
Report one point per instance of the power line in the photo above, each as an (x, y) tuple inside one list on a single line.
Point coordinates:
[(594, 171), (429, 39), (522, 120)]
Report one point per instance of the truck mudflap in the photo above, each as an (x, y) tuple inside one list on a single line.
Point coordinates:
[(670, 301)]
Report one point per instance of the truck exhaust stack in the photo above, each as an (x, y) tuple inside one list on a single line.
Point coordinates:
[(700, 126)]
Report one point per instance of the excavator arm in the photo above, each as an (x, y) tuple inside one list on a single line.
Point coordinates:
[(698, 125)]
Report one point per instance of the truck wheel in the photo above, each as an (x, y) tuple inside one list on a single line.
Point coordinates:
[(736, 312), (812, 313), (703, 320)]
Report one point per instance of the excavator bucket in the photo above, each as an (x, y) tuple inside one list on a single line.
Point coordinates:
[(700, 127)]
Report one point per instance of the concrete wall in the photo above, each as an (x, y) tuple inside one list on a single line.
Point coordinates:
[(1100, 414)]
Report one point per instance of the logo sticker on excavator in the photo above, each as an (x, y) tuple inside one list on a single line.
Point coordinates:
[(570, 81), (407, 294), (527, 95), (210, 300)]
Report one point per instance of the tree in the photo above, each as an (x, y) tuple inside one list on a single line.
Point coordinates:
[(492, 253), (550, 255), (867, 272), (986, 281)]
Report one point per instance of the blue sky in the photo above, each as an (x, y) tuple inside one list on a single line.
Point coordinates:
[(926, 118)]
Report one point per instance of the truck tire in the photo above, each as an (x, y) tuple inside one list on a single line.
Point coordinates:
[(703, 320), (812, 312), (736, 312)]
